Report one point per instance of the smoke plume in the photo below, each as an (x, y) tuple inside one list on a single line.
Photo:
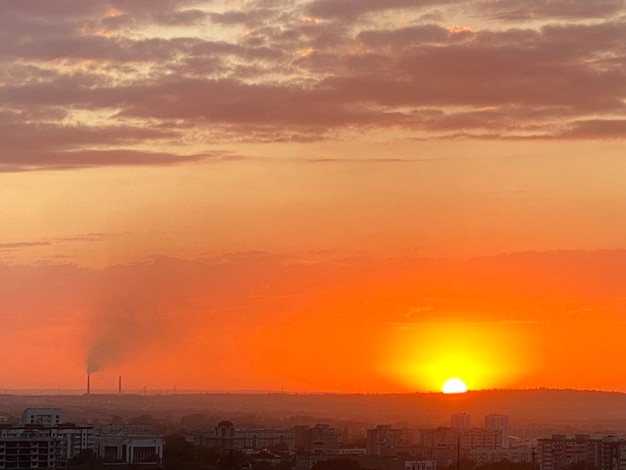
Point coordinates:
[(134, 314)]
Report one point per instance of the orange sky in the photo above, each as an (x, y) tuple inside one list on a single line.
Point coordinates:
[(323, 195)]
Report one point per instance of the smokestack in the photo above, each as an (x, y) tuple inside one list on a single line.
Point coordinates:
[(88, 384), (119, 385)]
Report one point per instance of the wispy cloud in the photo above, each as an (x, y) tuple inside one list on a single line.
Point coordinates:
[(19, 245), (83, 238)]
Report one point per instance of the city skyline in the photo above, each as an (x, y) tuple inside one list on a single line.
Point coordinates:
[(325, 196)]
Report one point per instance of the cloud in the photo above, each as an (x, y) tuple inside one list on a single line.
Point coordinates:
[(11, 246), (112, 79), (350, 9), (542, 9), (418, 313), (9, 249), (420, 35), (597, 129), (87, 237), (244, 311), (50, 160)]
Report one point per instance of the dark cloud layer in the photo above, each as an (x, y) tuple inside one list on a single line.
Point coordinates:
[(564, 9), (93, 78), (349, 9)]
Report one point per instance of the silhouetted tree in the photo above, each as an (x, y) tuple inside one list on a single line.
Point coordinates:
[(463, 464), (85, 460), (193, 421), (505, 465), (287, 463), (179, 454), (342, 463), (279, 448), (232, 460), (581, 465)]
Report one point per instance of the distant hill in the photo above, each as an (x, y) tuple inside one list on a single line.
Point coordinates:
[(553, 409)]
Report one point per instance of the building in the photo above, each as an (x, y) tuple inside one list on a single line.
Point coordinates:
[(383, 441), (612, 455), (319, 440), (306, 462), (441, 437), (450, 438), (43, 441), (479, 438), (42, 416), (127, 449), (29, 451), (47, 446), (500, 423), (225, 435), (352, 451), (74, 439), (123, 429), (559, 452), (420, 465), (460, 421), (132, 444), (487, 456)]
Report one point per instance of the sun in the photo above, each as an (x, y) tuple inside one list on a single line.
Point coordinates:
[(454, 385)]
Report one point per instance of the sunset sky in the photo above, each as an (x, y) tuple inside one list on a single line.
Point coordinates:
[(314, 195)]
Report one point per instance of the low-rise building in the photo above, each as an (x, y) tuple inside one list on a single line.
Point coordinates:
[(226, 436), (306, 462), (42, 416), (126, 449), (420, 465), (123, 429), (450, 438), (517, 454)]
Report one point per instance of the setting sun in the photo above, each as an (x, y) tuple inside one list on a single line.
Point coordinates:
[(454, 385), (195, 202), (424, 358)]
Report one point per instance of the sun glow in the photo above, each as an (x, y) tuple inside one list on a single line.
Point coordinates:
[(454, 385), (425, 358)]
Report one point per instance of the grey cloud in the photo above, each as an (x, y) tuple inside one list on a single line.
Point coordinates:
[(19, 245), (287, 77), (249, 17), (351, 9), (412, 36), (83, 238), (167, 12), (213, 48), (15, 136), (594, 41), (58, 10), (490, 76), (62, 160), (231, 101), (596, 129), (544, 9)]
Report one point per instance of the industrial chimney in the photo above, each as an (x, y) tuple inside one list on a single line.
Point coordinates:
[(119, 385), (88, 384)]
